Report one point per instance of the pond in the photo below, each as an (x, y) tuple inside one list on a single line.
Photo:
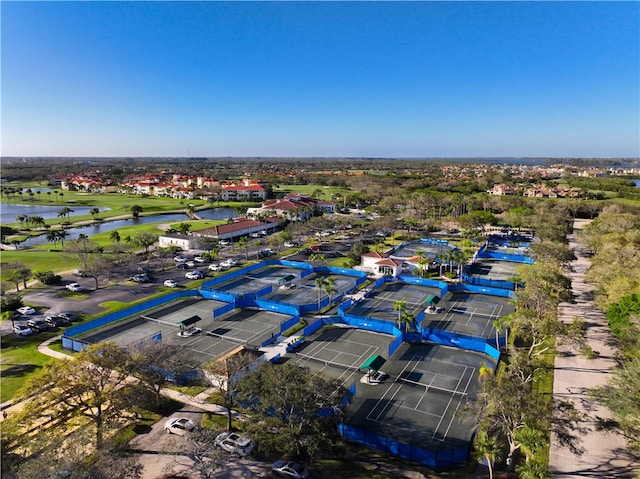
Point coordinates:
[(93, 229), (9, 212)]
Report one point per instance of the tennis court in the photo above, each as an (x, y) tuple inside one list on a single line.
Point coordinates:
[(216, 338), (306, 290), (380, 304), (339, 352), (493, 269), (258, 280), (469, 314), (422, 401), (407, 250)]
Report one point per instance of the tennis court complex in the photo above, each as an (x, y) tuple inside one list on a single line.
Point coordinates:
[(422, 401), (469, 314), (380, 305), (216, 338)]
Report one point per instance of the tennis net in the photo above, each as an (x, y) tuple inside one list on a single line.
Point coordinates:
[(157, 321), (325, 362), (430, 387), (244, 342), (466, 312)]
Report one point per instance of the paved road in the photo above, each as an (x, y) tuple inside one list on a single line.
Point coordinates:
[(604, 454)]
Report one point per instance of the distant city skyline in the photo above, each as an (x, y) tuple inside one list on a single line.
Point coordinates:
[(321, 79)]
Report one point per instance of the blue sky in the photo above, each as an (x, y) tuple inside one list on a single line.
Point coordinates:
[(380, 79)]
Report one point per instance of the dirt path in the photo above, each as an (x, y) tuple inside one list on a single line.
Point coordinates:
[(604, 454)]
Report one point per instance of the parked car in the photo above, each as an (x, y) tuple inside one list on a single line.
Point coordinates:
[(74, 287), (214, 267), (140, 278), (38, 324), (180, 259), (180, 426), (224, 243), (56, 321), (69, 316), (234, 443), (22, 330), (289, 469), (291, 244), (171, 283), (191, 264), (80, 273), (194, 275), (376, 377), (26, 310), (255, 235), (200, 259)]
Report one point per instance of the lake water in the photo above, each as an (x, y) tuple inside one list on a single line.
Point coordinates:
[(9, 212), (93, 229), (637, 182)]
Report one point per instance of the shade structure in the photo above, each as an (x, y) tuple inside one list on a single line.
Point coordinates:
[(374, 363), (433, 299), (189, 321)]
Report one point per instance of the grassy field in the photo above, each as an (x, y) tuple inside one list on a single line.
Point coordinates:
[(326, 194)]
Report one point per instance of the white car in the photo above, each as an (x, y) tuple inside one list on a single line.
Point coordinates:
[(194, 275), (289, 469), (180, 426), (180, 259), (199, 259), (170, 283), (234, 443), (215, 267), (26, 310), (291, 244), (74, 287), (22, 330), (224, 243)]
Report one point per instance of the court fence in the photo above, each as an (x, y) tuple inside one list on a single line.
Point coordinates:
[(491, 283), (484, 253), (434, 458)]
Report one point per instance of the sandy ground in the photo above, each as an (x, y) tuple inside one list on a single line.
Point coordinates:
[(604, 454)]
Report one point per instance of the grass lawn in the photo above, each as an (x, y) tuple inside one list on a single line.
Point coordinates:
[(327, 191), (20, 359)]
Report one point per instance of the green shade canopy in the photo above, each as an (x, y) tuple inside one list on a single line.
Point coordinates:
[(286, 279), (189, 321), (433, 299), (375, 362)]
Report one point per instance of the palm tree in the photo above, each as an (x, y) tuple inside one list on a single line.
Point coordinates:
[(21, 219), (401, 307), (407, 321), (487, 448), (330, 287), (184, 228), (53, 237), (531, 440), (62, 234), (320, 284), (114, 236), (64, 212), (244, 243), (94, 212), (49, 196)]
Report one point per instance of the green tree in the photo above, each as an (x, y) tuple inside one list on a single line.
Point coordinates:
[(488, 449), (94, 212), (321, 283), (91, 386), (114, 236), (135, 211), (145, 241), (225, 374), (291, 398), (157, 364)]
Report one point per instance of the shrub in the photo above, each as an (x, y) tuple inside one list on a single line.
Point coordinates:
[(47, 277)]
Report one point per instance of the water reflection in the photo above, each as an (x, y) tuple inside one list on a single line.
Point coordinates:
[(93, 229)]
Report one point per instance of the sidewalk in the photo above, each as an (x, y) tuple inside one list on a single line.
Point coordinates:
[(604, 454)]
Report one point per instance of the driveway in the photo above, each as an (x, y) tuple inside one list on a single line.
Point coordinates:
[(156, 450)]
